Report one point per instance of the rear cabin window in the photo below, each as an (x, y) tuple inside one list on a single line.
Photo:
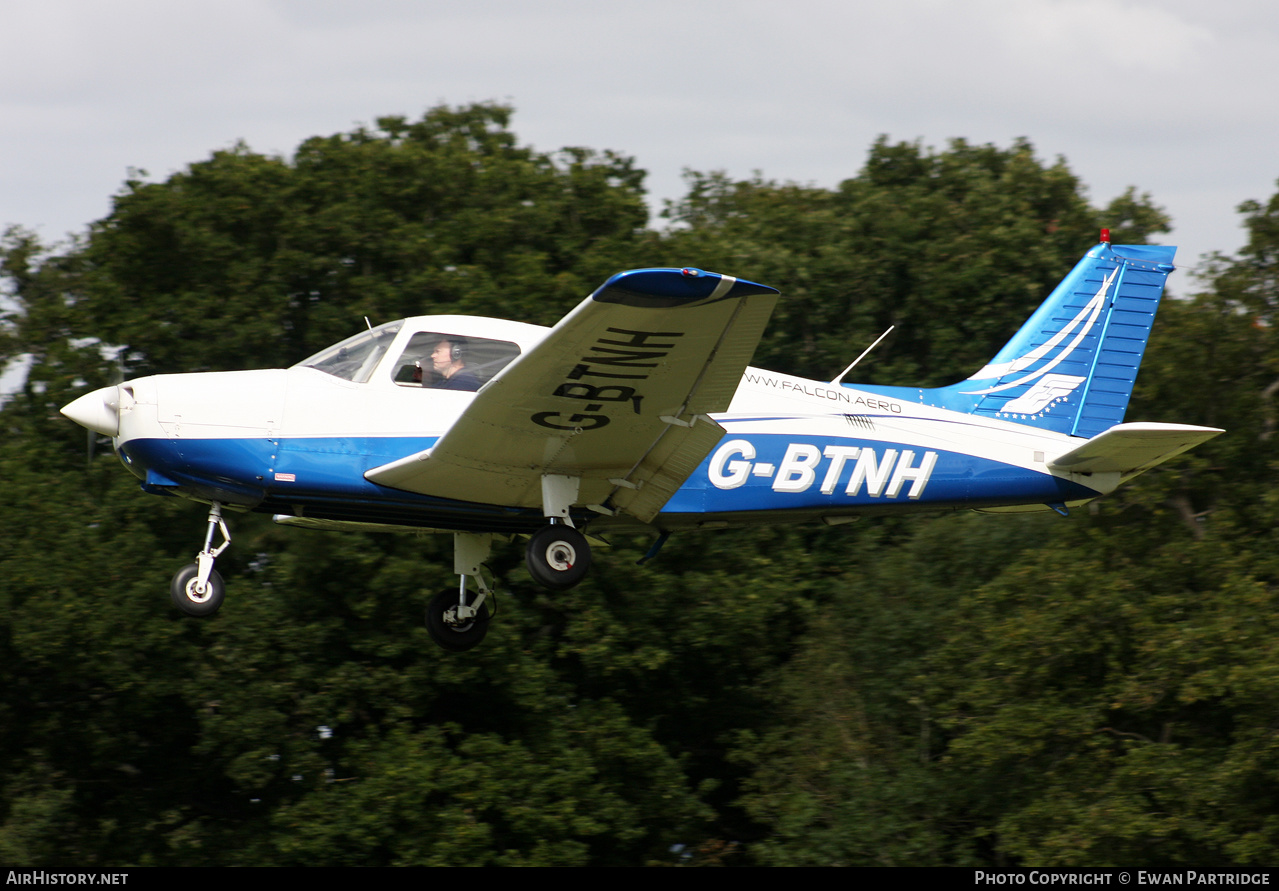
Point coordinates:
[(443, 361)]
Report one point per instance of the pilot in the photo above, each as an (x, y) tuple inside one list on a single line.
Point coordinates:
[(449, 361)]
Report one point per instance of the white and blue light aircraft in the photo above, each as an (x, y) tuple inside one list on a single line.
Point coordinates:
[(638, 409)]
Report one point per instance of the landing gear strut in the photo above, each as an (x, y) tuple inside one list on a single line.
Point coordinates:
[(455, 619), (197, 589), (558, 556)]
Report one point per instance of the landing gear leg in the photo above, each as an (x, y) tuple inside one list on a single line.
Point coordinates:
[(558, 556), (455, 619), (197, 589)]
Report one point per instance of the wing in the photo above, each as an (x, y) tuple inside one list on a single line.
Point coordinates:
[(616, 396), (1130, 449)]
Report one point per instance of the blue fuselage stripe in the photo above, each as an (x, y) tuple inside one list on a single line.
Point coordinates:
[(324, 476)]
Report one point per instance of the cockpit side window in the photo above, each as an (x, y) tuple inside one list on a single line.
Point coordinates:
[(355, 358), (446, 361)]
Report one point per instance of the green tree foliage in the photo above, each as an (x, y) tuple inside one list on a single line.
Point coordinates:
[(965, 689), (1116, 705)]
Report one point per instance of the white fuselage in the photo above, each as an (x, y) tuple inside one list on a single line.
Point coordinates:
[(298, 442)]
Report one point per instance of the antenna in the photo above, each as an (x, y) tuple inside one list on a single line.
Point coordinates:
[(863, 355), (367, 322)]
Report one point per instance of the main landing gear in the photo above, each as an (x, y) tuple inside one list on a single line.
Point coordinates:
[(558, 556), (455, 619), (197, 589)]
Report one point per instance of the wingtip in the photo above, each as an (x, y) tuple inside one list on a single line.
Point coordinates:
[(666, 287)]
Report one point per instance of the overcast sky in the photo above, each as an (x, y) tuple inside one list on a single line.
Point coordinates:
[(1175, 97)]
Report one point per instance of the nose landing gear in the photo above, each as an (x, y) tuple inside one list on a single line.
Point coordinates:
[(197, 589)]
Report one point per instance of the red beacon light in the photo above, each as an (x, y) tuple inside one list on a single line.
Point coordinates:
[(1105, 236)]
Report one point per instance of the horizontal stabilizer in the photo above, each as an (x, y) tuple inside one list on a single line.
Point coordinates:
[(1130, 449)]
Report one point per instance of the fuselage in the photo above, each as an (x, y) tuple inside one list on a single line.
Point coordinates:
[(297, 442)]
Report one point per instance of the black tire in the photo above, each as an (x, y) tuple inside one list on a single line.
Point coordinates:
[(457, 637), (558, 557), (184, 596)]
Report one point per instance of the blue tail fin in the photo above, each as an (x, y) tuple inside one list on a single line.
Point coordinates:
[(1072, 366)]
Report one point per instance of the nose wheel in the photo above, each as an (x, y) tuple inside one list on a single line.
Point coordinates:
[(190, 598), (197, 589)]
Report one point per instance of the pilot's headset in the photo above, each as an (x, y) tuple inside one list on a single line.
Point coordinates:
[(458, 349)]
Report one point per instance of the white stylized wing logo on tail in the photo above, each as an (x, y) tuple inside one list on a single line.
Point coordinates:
[(1083, 321)]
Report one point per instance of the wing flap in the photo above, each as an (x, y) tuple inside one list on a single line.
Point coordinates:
[(618, 390), (666, 468)]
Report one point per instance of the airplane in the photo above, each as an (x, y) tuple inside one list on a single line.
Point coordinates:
[(638, 409)]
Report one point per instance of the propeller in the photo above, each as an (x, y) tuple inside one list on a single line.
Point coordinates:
[(94, 438)]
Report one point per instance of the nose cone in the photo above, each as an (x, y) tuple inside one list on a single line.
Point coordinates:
[(99, 411)]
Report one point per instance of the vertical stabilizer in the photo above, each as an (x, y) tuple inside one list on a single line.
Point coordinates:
[(1072, 366)]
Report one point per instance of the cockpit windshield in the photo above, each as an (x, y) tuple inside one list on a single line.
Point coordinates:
[(355, 358)]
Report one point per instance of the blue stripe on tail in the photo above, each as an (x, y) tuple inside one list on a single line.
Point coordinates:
[(1072, 366)]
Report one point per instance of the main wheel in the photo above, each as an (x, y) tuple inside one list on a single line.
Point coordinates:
[(190, 601), (454, 636), (558, 556)]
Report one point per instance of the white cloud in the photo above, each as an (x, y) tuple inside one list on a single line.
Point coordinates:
[(1169, 95)]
